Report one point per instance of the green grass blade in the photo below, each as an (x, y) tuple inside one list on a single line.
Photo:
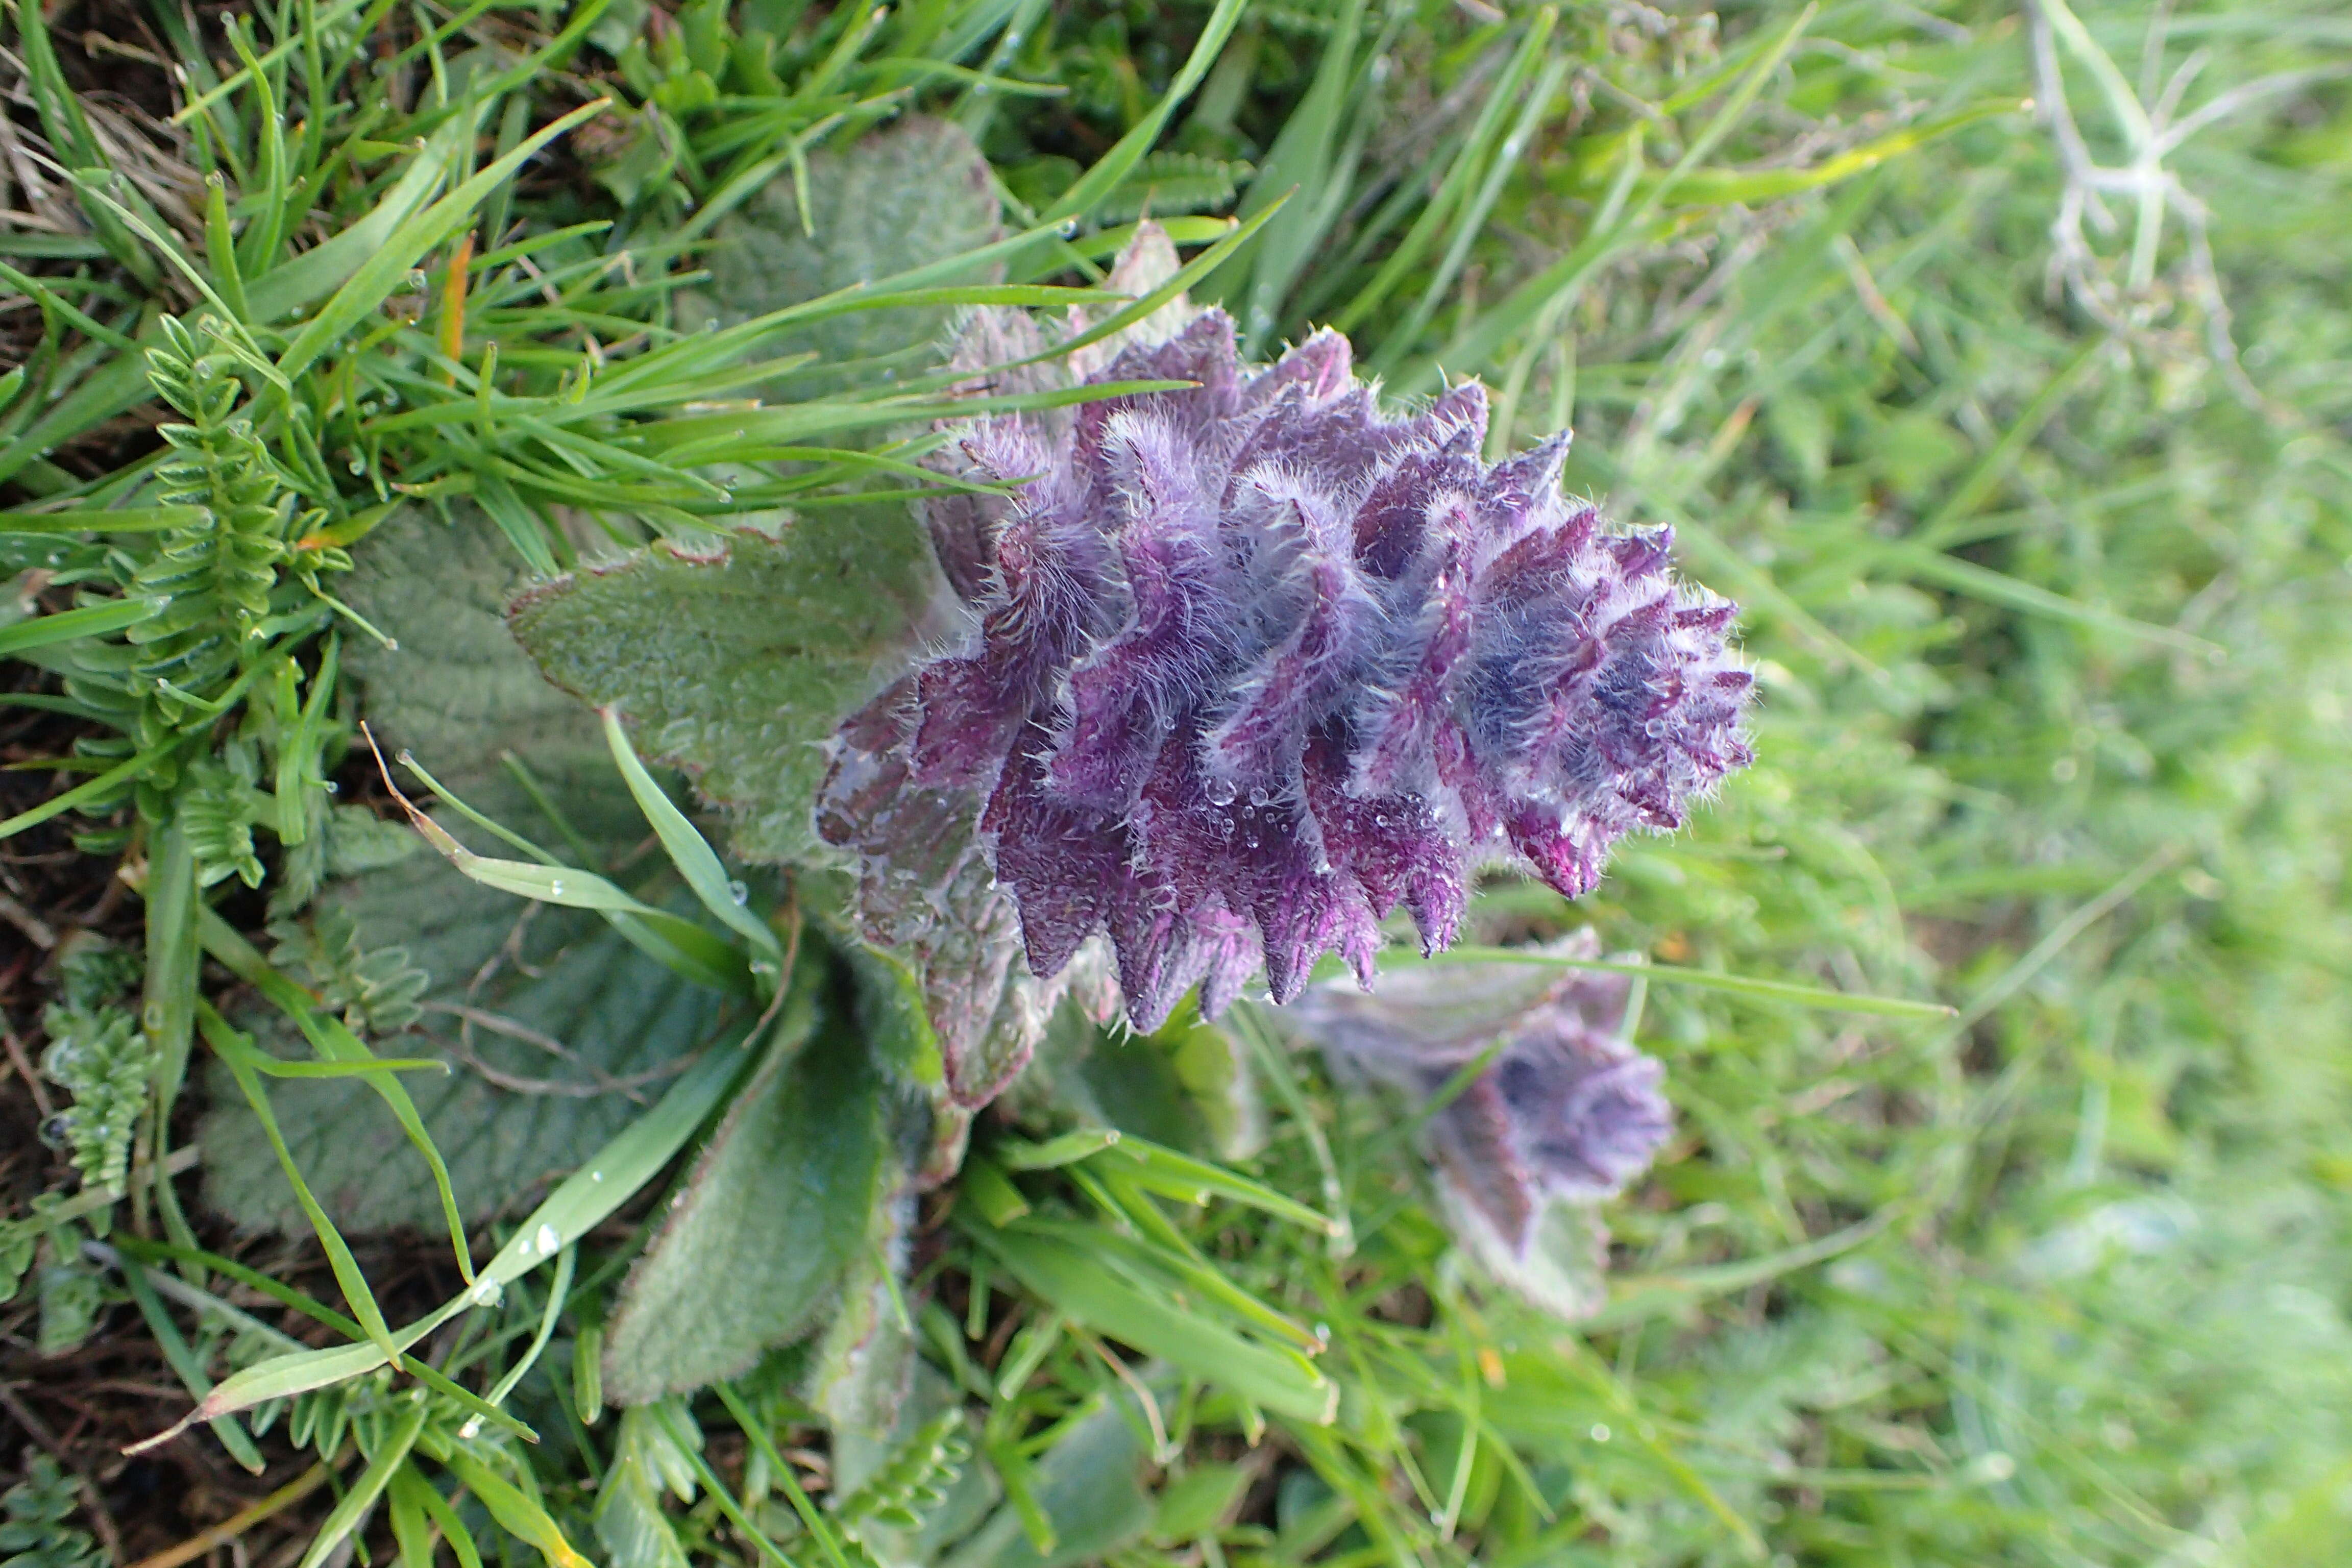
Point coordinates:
[(811, 1519), (186, 1366), (684, 948), (338, 1047), (353, 1069), (983, 1183), (380, 273), (763, 427), (271, 173), (116, 387), (559, 1291), (167, 1010), (318, 1312), (1636, 1298), (1564, 278), (445, 1518), (327, 266), (606, 1180), (672, 941), (1015, 1154), (1718, 187), (1477, 210), (1116, 164), (1171, 1174), (517, 1513), (717, 1488), (230, 83), (696, 861), (1200, 267), (98, 788), (1130, 1203), (412, 1528), (169, 249), (1108, 243), (98, 520), (1300, 160), (362, 1496), (1076, 1285), (236, 1052), (1999, 588), (1469, 159), (1991, 470), (68, 128), (1749, 986), (89, 621)]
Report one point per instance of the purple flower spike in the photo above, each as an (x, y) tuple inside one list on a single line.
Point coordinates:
[(1565, 1111), (1253, 665)]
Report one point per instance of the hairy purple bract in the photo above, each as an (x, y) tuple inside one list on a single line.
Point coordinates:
[(1251, 664)]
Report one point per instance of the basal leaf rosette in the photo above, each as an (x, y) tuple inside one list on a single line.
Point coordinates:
[(1250, 664)]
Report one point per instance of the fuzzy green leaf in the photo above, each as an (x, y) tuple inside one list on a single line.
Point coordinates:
[(893, 200), (739, 666), (559, 1030), (459, 693), (778, 1204), (1059, 1263), (862, 1370)]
